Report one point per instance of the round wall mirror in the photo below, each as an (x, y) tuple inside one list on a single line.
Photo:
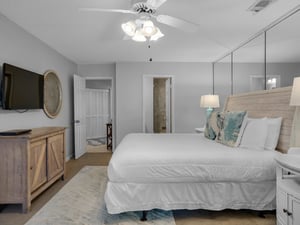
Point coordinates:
[(52, 94)]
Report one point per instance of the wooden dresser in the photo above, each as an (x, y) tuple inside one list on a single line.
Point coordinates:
[(30, 163)]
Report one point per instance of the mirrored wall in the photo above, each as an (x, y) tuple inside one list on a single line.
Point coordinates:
[(222, 79), (270, 59)]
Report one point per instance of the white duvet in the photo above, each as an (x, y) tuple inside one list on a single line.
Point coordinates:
[(150, 158)]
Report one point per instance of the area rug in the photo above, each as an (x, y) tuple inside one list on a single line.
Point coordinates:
[(81, 201)]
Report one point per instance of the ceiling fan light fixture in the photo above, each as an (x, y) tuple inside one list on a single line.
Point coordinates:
[(141, 30), (129, 28), (139, 37), (157, 35)]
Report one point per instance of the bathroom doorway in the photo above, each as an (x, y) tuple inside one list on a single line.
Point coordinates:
[(158, 113)]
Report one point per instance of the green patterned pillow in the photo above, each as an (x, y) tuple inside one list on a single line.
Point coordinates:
[(213, 125), (231, 128)]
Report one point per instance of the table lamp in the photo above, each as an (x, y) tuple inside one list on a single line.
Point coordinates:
[(209, 102)]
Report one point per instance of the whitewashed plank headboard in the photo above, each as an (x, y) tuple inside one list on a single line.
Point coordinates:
[(269, 103)]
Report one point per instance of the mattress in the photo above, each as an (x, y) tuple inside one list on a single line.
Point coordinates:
[(150, 158)]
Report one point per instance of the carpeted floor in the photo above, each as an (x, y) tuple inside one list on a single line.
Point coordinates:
[(81, 201)]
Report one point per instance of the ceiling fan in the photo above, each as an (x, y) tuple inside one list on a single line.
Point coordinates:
[(146, 10)]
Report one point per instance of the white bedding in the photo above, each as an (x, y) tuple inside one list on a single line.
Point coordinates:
[(150, 158), (123, 197)]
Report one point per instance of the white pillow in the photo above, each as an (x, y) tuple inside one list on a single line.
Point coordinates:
[(255, 134), (274, 125)]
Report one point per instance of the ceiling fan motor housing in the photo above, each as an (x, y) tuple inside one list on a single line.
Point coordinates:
[(141, 6)]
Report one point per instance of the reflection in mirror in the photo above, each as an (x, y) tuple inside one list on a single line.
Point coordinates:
[(283, 53), (222, 79), (248, 66)]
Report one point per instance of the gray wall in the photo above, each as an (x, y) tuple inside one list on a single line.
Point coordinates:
[(97, 70), (191, 80), (19, 48)]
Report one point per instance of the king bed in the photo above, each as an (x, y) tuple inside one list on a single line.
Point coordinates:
[(189, 171)]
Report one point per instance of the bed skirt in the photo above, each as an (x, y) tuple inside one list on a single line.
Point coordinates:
[(124, 197)]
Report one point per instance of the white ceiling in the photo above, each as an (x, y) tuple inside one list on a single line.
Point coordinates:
[(96, 37)]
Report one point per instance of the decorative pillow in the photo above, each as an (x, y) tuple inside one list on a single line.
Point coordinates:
[(242, 129), (231, 128), (255, 134), (213, 125), (274, 125)]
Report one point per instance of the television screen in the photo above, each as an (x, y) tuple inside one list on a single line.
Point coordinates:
[(21, 89)]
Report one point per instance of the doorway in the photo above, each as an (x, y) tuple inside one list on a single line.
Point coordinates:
[(96, 97), (158, 104)]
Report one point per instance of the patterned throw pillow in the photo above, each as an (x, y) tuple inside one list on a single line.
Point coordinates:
[(213, 125), (231, 128)]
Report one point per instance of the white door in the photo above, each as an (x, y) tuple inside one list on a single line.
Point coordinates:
[(79, 116)]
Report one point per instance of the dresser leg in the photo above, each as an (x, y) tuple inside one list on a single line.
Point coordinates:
[(26, 207)]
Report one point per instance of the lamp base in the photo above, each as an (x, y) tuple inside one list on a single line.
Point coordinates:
[(208, 112)]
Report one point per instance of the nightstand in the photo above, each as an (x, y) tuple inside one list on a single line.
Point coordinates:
[(199, 130), (288, 189)]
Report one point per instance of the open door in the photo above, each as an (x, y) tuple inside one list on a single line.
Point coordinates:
[(79, 116)]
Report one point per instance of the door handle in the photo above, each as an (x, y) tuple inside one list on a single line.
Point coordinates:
[(287, 212), (77, 121)]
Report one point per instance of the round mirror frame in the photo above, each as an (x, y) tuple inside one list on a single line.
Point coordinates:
[(52, 94)]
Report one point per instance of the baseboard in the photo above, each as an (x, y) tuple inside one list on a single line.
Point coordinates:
[(68, 157)]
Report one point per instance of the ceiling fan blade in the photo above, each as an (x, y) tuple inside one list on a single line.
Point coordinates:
[(108, 10), (156, 3), (177, 23)]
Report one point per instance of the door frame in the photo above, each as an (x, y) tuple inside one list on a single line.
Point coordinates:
[(172, 109)]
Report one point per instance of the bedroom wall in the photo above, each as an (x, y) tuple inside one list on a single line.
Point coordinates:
[(20, 48), (97, 70), (191, 80)]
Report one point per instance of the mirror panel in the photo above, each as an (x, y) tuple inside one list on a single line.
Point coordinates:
[(222, 79), (283, 52), (249, 67)]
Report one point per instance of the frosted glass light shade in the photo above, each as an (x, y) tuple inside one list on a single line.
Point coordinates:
[(209, 101), (295, 96), (129, 28), (139, 37), (148, 28), (157, 35)]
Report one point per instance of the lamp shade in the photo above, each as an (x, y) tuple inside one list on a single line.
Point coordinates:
[(295, 96), (209, 101)]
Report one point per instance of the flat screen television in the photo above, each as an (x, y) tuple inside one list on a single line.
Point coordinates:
[(21, 89)]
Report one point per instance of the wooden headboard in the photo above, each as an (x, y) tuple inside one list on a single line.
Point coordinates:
[(269, 103)]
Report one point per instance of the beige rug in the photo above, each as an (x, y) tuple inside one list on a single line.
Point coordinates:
[(81, 201)]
